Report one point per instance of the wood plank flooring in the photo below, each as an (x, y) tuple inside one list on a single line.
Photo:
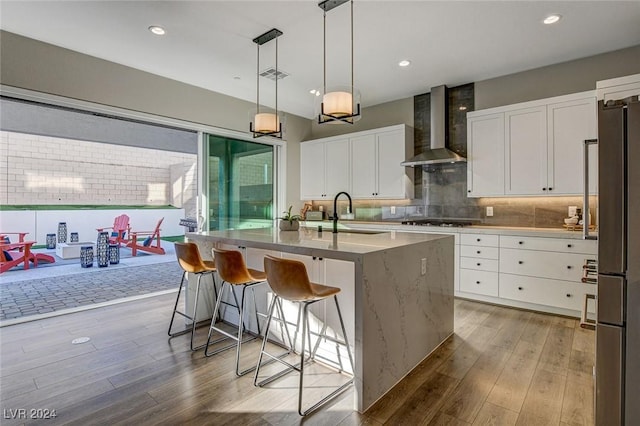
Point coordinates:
[(503, 367)]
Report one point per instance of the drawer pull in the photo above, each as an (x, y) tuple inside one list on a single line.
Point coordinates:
[(569, 266), (569, 245), (477, 282), (520, 242), (568, 295), (519, 288), (478, 264), (478, 252), (478, 239), (520, 262)]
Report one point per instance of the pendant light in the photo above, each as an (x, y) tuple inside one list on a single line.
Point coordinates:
[(339, 104), (266, 123)]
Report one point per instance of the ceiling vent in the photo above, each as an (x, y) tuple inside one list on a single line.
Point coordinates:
[(270, 73)]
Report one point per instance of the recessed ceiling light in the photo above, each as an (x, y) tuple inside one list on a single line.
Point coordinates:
[(314, 92), (157, 30), (552, 19), (404, 63)]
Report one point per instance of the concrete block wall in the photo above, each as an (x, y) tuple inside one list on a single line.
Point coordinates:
[(45, 170)]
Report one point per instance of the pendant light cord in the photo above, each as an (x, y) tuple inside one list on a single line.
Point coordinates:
[(352, 99), (258, 81), (324, 52), (277, 118)]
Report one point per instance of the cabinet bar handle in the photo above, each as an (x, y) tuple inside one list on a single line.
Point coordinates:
[(569, 245)]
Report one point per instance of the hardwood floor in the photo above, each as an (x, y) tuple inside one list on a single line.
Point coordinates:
[(502, 367)]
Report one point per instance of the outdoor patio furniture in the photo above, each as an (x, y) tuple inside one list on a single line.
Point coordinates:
[(12, 254), (150, 244), (118, 230)]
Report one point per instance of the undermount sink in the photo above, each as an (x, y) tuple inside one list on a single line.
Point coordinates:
[(350, 231), (359, 231)]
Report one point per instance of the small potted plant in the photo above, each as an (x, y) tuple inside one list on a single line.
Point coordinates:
[(289, 222)]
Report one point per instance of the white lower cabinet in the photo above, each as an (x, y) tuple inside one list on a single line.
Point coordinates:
[(479, 264), (528, 272), (543, 291), (479, 282)]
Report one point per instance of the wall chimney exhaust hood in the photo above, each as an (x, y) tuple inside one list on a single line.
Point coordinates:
[(437, 153)]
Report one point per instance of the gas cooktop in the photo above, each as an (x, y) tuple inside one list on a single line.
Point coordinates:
[(452, 223)]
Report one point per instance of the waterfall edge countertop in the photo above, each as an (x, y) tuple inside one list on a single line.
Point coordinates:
[(396, 291), (345, 245)]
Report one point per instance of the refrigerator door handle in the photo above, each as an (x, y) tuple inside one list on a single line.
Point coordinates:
[(585, 196)]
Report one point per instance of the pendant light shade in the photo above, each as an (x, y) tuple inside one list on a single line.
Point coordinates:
[(339, 105), (266, 123)]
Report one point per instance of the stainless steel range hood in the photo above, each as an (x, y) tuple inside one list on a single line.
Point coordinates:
[(437, 153)]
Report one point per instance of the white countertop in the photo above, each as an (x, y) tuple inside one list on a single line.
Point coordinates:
[(308, 241), (474, 229)]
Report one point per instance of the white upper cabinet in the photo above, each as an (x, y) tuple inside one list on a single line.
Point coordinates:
[(618, 88), (569, 124), (542, 149), (485, 161), (365, 164), (324, 168), (364, 170), (526, 151)]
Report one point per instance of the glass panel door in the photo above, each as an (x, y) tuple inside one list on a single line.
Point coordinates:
[(241, 189)]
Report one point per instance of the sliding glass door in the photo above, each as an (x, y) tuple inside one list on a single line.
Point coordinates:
[(241, 190)]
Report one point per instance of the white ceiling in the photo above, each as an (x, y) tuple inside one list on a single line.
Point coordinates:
[(209, 43)]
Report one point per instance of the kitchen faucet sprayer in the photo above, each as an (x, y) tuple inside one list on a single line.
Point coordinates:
[(335, 210)]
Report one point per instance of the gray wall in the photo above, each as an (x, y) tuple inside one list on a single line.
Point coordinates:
[(555, 80), (30, 64), (387, 114)]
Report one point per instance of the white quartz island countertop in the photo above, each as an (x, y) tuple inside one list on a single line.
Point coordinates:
[(349, 244), (396, 291)]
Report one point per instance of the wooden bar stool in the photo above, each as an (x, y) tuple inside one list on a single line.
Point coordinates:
[(190, 261), (234, 272), (289, 281)]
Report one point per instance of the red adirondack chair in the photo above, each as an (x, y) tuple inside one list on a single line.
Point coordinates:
[(151, 243), (118, 230), (13, 254)]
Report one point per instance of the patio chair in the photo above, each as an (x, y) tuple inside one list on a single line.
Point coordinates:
[(19, 252), (150, 244), (13, 254), (118, 230)]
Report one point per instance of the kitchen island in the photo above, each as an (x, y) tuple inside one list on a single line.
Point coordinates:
[(396, 298)]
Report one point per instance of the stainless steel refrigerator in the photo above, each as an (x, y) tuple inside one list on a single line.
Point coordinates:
[(618, 307)]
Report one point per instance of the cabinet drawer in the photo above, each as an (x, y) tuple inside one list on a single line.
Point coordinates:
[(479, 252), (542, 291), (490, 265), (564, 245), (560, 266), (479, 240), (479, 282)]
